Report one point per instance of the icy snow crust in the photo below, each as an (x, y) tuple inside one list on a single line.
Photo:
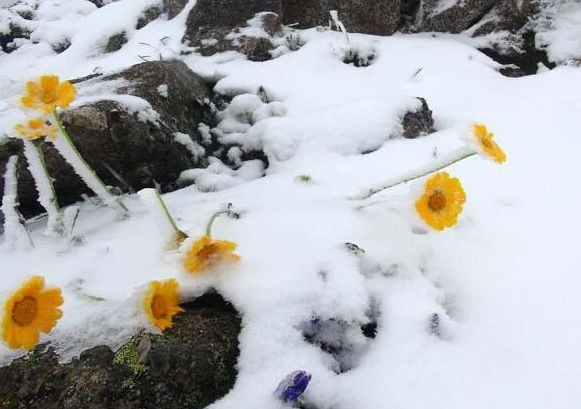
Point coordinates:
[(505, 281)]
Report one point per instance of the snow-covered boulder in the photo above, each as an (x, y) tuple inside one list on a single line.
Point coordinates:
[(191, 365)]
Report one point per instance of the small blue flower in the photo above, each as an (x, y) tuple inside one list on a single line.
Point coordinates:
[(293, 386)]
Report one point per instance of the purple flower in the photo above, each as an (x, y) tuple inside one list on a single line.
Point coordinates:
[(293, 386)]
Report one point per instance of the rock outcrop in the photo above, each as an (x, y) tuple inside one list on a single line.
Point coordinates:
[(218, 25), (190, 366), (358, 16), (419, 122)]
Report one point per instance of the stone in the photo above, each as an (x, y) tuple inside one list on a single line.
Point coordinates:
[(455, 18), (115, 42), (358, 16), (191, 365), (15, 32), (148, 16), (522, 59), (125, 150), (173, 7), (214, 26), (419, 122)]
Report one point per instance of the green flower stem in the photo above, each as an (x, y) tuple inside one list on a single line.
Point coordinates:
[(101, 189), (213, 218), (180, 235), (448, 160)]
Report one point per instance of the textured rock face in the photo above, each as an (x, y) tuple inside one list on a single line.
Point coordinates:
[(214, 26), (174, 7), (358, 16), (419, 122), (15, 32), (126, 150), (458, 17), (190, 366)]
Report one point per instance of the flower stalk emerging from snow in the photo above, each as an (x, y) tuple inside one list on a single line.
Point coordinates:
[(479, 142), (15, 233), (68, 150), (161, 303), (163, 217), (448, 160), (30, 310), (335, 17), (44, 186)]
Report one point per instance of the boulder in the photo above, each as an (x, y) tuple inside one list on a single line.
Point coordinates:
[(126, 148), (217, 26), (15, 32), (358, 16), (190, 366), (419, 122), (454, 17), (173, 7)]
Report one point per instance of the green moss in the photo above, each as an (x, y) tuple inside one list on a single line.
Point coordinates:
[(304, 179), (128, 355)]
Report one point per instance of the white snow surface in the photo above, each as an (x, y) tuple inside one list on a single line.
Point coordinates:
[(505, 281)]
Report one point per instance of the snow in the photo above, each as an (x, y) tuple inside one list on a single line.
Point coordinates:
[(562, 41), (44, 187), (504, 282)]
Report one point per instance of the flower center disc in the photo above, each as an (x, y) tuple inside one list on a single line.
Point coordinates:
[(158, 307), (24, 312), (437, 201), (486, 143), (208, 251)]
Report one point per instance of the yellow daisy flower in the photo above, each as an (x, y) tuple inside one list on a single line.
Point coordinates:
[(47, 93), (486, 145), (37, 128), (441, 202), (160, 303), (30, 310), (207, 252)]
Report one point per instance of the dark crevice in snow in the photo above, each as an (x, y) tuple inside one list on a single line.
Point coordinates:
[(523, 61)]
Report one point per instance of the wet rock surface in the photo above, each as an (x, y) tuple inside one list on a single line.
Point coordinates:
[(190, 366)]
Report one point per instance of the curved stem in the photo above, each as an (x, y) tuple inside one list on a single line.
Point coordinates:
[(454, 157), (212, 219), (180, 235)]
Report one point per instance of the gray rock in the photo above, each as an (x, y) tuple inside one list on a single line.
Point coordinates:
[(148, 16), (210, 21), (15, 31), (190, 366), (173, 7), (459, 16), (419, 122), (358, 16), (125, 150), (115, 42)]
